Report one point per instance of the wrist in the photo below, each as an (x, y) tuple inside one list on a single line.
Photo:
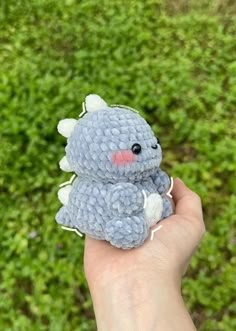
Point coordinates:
[(132, 302)]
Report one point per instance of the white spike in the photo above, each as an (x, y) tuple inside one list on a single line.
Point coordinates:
[(63, 194), (94, 102), (66, 126), (64, 165)]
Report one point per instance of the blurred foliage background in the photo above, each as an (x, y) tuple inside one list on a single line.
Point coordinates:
[(175, 61)]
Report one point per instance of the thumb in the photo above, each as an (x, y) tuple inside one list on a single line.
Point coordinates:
[(188, 203)]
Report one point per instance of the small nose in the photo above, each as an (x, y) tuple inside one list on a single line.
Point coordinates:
[(154, 146)]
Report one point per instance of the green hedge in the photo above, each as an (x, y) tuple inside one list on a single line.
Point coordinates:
[(177, 66)]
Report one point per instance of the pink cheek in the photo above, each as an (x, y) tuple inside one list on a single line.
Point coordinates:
[(123, 157)]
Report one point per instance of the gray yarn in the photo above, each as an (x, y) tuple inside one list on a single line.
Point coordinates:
[(106, 201)]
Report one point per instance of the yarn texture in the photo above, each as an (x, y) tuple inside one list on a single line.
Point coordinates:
[(120, 192)]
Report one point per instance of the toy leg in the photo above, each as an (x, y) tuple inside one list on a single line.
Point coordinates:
[(126, 232)]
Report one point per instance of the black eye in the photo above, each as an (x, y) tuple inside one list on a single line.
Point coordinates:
[(154, 146), (136, 148)]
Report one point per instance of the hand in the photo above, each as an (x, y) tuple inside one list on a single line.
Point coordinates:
[(169, 252), (155, 267)]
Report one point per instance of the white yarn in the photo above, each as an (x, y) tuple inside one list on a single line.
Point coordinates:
[(94, 102), (153, 209), (64, 165), (63, 194), (65, 127)]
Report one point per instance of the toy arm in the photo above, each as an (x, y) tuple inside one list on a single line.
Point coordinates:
[(125, 199), (162, 181)]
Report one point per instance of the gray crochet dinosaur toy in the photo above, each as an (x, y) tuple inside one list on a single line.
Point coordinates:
[(120, 191)]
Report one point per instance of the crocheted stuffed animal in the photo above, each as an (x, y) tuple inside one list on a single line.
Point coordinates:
[(120, 191)]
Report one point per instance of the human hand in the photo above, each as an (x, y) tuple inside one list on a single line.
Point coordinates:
[(150, 273), (168, 253)]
